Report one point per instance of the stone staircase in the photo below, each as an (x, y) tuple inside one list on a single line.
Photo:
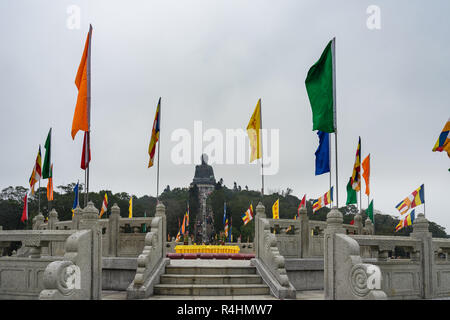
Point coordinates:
[(211, 281)]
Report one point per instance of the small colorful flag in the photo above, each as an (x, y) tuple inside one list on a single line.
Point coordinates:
[(356, 175), (443, 141), (369, 211), (183, 226), (301, 205), (155, 134), (276, 209), (36, 174), (323, 153), (325, 200), (46, 173), (407, 221), (86, 152), (366, 173), (230, 233), (104, 206), (248, 215), (226, 228), (50, 185), (224, 212), (130, 208), (254, 133), (25, 209), (351, 194), (187, 216), (417, 197), (75, 201)]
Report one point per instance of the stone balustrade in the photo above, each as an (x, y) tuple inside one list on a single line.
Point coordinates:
[(351, 262), (30, 274), (121, 237), (268, 260), (152, 261)]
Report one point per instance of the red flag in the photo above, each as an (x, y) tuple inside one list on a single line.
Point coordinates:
[(25, 209), (86, 150), (302, 204), (352, 222)]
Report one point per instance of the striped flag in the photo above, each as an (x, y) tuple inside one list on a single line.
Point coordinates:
[(248, 215), (407, 221), (417, 197), (36, 174), (155, 135), (443, 141), (183, 226), (325, 200), (104, 206), (226, 228), (356, 175), (254, 133)]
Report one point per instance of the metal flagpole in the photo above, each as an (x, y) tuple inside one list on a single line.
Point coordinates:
[(333, 51), (88, 136), (159, 144), (329, 163), (262, 153)]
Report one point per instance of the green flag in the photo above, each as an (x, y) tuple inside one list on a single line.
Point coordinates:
[(46, 173), (320, 88), (351, 194), (369, 211)]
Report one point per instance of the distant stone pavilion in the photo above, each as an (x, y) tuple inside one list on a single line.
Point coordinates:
[(205, 181)]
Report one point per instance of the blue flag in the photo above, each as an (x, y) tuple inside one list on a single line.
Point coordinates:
[(323, 153), (224, 212), (75, 202)]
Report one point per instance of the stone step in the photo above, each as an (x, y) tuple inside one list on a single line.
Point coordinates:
[(210, 270), (211, 289), (210, 279)]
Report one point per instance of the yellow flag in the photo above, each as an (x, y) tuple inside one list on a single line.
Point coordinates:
[(275, 209), (130, 209), (254, 133)]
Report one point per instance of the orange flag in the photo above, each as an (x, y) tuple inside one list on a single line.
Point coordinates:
[(81, 116), (366, 173)]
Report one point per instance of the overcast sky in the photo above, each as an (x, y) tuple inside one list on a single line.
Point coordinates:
[(210, 61)]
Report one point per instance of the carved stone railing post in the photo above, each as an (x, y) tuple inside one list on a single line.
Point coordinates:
[(52, 220), (304, 232), (260, 213), (368, 228), (421, 231), (358, 223), (345, 276), (89, 220), (161, 212), (114, 230), (77, 212), (38, 221)]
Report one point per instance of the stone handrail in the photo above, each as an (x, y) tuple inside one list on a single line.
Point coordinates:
[(63, 277), (345, 276), (268, 260), (152, 261)]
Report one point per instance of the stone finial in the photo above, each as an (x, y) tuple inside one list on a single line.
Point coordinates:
[(369, 226), (90, 211), (334, 221), (77, 212), (421, 224), (160, 210), (261, 210), (303, 211), (53, 214), (115, 210)]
